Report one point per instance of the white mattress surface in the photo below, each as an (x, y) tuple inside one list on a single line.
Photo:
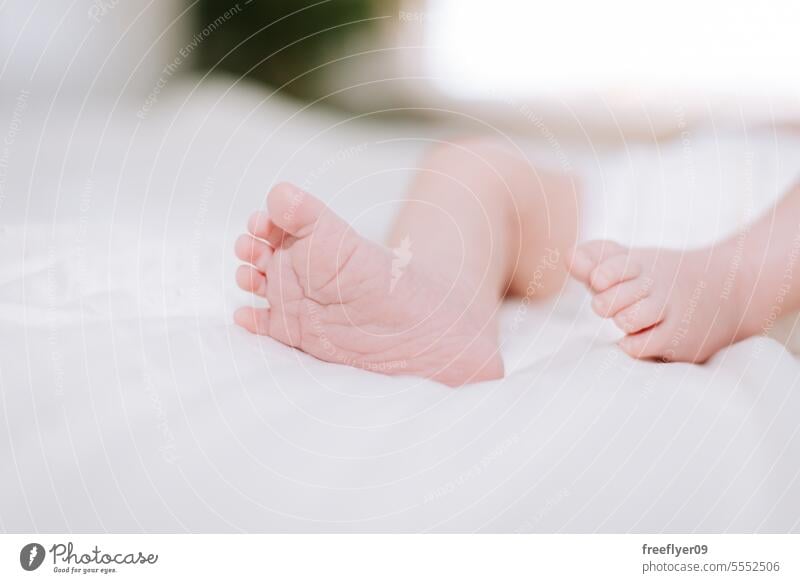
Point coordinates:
[(130, 402)]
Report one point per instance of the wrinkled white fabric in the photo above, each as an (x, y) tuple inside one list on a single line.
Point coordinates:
[(130, 402)]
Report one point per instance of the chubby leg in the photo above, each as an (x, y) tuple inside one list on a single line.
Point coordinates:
[(479, 223), (482, 216), (686, 305)]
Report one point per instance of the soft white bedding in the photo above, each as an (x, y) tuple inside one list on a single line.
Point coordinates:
[(129, 401)]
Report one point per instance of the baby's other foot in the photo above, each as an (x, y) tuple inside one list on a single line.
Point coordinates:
[(344, 299), (672, 305)]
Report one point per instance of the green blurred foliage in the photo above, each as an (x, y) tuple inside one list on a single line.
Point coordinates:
[(278, 40)]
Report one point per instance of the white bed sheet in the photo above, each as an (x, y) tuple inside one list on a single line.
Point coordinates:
[(129, 401)]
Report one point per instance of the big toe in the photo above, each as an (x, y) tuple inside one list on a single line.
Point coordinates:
[(614, 270), (294, 210), (587, 256)]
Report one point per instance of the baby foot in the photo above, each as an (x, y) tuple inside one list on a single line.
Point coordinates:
[(341, 298), (672, 305)]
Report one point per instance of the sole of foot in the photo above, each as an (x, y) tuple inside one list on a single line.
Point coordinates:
[(338, 297)]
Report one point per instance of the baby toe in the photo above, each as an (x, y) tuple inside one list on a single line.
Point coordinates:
[(262, 226), (259, 224), (639, 316), (296, 211), (253, 251), (614, 270), (652, 343), (251, 280), (255, 320), (587, 256), (618, 297)]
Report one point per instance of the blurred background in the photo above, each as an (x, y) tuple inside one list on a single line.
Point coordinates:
[(617, 69)]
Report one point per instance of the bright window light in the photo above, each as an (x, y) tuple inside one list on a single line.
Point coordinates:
[(535, 47)]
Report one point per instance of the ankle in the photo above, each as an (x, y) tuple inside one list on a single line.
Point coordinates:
[(744, 286)]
